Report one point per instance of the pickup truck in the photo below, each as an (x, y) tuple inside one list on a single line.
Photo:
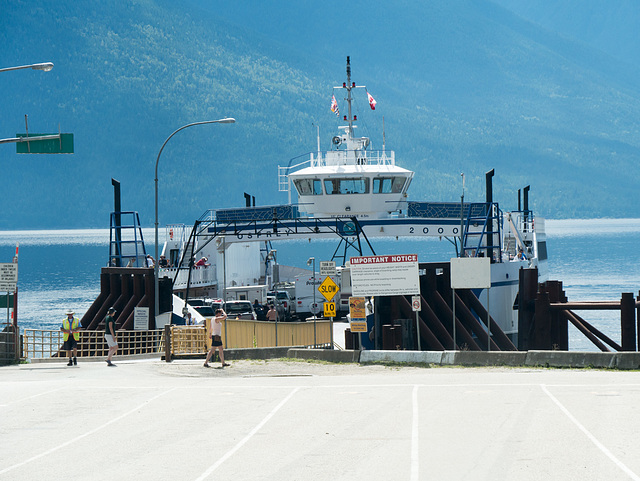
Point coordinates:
[(284, 306)]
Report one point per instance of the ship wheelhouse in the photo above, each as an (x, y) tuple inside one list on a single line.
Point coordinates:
[(351, 179), (371, 191)]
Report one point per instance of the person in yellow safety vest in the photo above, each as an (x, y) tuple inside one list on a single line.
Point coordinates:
[(71, 329)]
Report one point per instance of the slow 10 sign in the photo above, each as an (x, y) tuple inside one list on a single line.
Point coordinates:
[(328, 288)]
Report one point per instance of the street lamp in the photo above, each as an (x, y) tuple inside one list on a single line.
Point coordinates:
[(272, 256), (312, 260), (46, 66), (155, 264)]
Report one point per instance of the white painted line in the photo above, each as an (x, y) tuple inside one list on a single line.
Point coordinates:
[(17, 401), (415, 452), (88, 433), (247, 437), (591, 437)]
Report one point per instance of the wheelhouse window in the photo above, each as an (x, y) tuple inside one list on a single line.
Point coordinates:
[(388, 185), (358, 185), (308, 186)]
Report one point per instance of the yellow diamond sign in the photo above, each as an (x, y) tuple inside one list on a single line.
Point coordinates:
[(328, 288)]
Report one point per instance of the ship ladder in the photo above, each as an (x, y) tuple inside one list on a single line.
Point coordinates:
[(477, 241)]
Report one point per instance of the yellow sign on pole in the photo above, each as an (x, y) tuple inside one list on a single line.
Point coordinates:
[(328, 289), (329, 309), (358, 314), (358, 326), (357, 307)]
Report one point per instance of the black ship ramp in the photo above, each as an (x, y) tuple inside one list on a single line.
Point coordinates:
[(435, 317)]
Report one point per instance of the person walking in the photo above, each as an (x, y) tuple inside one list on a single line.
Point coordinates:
[(71, 335), (215, 331), (272, 315), (110, 334)]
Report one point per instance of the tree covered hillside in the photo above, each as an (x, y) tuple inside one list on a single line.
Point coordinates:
[(464, 86)]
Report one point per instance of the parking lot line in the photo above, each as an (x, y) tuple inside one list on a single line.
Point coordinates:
[(591, 437), (230, 453)]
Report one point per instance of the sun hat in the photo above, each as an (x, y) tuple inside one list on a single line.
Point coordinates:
[(70, 312)]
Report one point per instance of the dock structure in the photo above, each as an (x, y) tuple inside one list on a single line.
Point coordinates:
[(395, 322), (545, 314)]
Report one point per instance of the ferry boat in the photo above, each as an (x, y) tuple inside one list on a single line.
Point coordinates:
[(351, 193), (351, 180)]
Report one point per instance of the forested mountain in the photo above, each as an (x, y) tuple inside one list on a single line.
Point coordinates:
[(612, 27), (464, 86)]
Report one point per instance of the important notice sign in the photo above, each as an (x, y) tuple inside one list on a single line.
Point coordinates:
[(385, 275), (8, 277)]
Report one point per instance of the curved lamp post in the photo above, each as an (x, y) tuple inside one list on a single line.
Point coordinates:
[(46, 66), (155, 264)]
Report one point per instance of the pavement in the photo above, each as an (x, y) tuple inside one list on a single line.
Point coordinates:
[(292, 419)]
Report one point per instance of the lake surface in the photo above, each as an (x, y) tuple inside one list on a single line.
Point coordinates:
[(596, 259)]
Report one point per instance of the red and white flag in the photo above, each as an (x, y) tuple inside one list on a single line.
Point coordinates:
[(372, 101), (334, 105)]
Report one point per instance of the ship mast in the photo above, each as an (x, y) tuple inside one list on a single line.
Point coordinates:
[(348, 87)]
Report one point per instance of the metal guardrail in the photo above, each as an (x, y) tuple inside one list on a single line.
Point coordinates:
[(184, 339), (237, 334), (44, 344)]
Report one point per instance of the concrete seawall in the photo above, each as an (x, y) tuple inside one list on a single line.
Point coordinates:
[(559, 359)]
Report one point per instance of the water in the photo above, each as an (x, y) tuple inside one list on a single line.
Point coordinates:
[(596, 260)]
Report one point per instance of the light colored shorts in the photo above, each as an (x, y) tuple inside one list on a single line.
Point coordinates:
[(111, 342)]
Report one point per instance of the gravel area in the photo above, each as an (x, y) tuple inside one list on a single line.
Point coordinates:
[(269, 368)]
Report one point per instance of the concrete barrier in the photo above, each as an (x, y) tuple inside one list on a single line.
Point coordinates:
[(599, 360), (492, 358), (571, 359), (256, 353), (325, 355), (628, 360), (411, 357), (558, 359)]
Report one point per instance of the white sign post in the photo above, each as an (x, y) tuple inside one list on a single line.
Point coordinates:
[(395, 275), (385, 275), (8, 277), (327, 268), (471, 273), (416, 305), (328, 288), (141, 318)]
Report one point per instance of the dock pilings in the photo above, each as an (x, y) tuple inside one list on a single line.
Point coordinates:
[(544, 318)]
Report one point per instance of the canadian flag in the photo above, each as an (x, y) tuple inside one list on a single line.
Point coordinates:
[(372, 101)]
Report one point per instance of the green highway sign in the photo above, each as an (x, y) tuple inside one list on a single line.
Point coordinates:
[(6, 301), (62, 145)]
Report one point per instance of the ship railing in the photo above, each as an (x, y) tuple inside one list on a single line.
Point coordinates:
[(446, 210), (333, 158), (262, 213), (208, 216), (176, 233), (200, 276), (39, 344), (524, 220), (352, 157)]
